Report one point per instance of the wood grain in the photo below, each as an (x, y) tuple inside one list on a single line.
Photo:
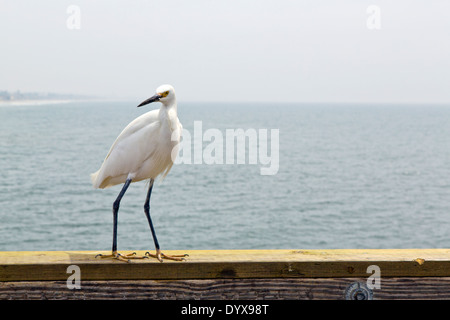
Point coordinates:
[(404, 288), (227, 264)]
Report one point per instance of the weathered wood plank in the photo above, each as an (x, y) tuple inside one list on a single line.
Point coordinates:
[(404, 288), (228, 264)]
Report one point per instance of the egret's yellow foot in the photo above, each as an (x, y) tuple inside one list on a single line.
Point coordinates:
[(120, 257), (159, 255)]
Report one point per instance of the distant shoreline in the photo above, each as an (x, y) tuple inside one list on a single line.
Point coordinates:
[(37, 102), (33, 102)]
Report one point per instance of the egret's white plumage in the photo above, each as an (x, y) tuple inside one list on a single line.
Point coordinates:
[(144, 149)]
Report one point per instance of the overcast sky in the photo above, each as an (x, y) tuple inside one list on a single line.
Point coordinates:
[(217, 50)]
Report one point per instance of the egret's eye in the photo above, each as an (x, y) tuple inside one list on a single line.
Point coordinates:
[(164, 94)]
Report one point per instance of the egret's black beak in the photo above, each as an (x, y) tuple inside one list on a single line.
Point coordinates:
[(156, 97)]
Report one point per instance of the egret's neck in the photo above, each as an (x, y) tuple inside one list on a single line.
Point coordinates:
[(169, 106), (168, 114)]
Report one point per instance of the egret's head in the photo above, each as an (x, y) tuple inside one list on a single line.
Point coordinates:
[(164, 94)]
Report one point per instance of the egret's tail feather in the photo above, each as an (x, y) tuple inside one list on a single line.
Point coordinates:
[(94, 181)]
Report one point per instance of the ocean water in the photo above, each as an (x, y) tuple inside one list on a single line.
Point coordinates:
[(350, 176)]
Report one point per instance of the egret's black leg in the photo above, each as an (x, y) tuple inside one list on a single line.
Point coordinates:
[(155, 240), (147, 214), (116, 213)]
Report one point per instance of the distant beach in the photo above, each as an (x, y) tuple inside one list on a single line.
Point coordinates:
[(32, 102)]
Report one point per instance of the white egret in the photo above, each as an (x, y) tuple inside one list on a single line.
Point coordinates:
[(145, 149)]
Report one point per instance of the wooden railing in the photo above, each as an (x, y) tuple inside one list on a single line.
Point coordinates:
[(229, 274)]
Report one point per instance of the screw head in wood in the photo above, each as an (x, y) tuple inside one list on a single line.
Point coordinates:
[(358, 291)]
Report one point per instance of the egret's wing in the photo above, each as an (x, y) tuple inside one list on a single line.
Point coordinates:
[(137, 124), (134, 144)]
